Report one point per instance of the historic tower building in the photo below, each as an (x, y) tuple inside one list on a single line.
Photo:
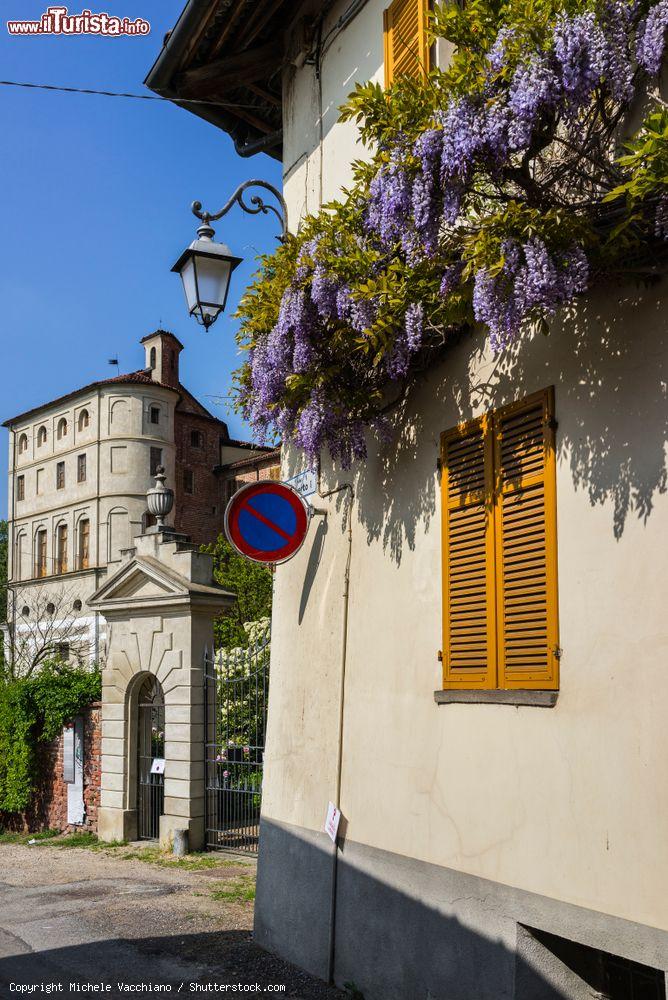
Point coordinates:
[(79, 469)]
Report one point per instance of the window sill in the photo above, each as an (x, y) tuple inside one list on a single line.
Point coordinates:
[(486, 696)]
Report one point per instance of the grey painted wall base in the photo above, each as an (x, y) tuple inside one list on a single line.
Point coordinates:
[(293, 895), (408, 930)]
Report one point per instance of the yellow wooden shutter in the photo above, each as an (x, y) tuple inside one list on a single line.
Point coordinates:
[(406, 43), (469, 640), (526, 544)]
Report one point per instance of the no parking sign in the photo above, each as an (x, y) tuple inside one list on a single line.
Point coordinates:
[(267, 521)]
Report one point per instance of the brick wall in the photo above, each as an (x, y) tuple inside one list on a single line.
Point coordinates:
[(199, 513), (48, 810), (239, 473)]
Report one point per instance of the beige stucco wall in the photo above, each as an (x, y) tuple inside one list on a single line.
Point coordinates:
[(570, 802)]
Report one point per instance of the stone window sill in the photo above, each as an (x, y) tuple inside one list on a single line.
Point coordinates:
[(517, 697)]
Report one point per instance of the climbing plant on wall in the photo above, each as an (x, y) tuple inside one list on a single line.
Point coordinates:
[(33, 710), (496, 191)]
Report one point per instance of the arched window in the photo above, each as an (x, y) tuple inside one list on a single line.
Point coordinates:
[(61, 548), (21, 571), (23, 444), (41, 437), (77, 605), (83, 544), (62, 428), (153, 357), (84, 420), (40, 552)]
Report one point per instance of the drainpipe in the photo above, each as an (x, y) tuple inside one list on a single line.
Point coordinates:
[(11, 554), (349, 489), (96, 573)]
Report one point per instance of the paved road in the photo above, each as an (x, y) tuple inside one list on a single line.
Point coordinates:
[(74, 917)]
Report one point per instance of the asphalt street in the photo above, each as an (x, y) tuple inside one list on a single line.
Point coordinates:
[(78, 922)]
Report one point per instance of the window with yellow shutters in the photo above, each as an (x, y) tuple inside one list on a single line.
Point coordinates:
[(500, 625), (406, 41)]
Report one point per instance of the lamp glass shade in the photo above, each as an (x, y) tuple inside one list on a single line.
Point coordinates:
[(206, 268), (189, 284)]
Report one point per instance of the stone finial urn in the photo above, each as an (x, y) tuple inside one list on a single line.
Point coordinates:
[(160, 498)]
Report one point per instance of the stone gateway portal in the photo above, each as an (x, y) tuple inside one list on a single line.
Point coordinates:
[(160, 606)]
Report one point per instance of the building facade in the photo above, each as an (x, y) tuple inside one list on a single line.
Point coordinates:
[(503, 787), (79, 469)]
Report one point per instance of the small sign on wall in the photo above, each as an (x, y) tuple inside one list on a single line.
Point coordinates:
[(76, 810), (158, 765), (68, 754), (332, 822)]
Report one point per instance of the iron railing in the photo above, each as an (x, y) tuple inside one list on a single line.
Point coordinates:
[(236, 691), (150, 745)]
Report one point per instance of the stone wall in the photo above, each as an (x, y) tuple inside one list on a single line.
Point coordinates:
[(48, 810)]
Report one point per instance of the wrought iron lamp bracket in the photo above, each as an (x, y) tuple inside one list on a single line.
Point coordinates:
[(257, 205)]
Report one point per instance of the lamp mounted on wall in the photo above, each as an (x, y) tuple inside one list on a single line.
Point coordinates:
[(206, 266)]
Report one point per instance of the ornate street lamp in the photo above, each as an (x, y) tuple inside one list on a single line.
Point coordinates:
[(206, 266)]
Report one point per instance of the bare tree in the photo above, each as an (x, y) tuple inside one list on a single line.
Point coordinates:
[(45, 623)]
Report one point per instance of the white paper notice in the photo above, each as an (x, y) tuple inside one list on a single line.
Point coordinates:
[(332, 822), (158, 765)]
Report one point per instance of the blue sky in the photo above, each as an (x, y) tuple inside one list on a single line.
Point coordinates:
[(96, 196)]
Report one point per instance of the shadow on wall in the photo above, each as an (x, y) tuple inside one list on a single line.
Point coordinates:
[(608, 361), (432, 935)]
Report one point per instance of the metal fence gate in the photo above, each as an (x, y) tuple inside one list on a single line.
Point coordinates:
[(236, 690), (150, 744)]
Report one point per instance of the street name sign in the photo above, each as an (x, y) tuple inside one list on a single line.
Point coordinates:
[(306, 482)]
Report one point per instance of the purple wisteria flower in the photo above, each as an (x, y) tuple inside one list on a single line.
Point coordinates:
[(425, 194), (651, 38), (312, 425), (323, 292), (533, 90), (531, 279), (497, 53), (414, 326), (580, 51), (616, 23), (407, 343), (389, 202), (451, 278)]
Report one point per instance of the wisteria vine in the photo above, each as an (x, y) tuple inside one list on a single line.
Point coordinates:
[(495, 194)]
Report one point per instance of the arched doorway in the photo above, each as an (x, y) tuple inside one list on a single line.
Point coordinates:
[(150, 758)]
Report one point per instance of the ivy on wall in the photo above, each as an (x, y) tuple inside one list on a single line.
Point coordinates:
[(496, 191), (32, 711)]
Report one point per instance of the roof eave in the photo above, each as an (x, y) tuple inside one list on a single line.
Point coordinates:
[(160, 79)]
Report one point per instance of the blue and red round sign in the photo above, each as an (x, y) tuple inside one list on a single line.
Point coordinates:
[(267, 521)]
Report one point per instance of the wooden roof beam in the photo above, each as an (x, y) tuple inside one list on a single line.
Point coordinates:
[(245, 67), (260, 17)]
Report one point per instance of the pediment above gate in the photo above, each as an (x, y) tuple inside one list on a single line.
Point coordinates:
[(140, 585), (146, 582)]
